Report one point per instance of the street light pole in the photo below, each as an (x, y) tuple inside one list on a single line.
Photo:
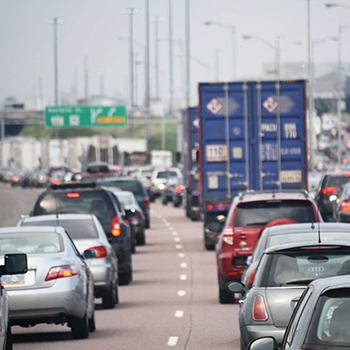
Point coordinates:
[(147, 77), (309, 86), (340, 30), (171, 60), (217, 64), (188, 53), (232, 29)]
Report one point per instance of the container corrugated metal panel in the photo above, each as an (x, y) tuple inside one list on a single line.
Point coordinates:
[(239, 138), (192, 123)]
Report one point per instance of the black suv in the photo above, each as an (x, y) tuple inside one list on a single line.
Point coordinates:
[(327, 193), (89, 199), (132, 185)]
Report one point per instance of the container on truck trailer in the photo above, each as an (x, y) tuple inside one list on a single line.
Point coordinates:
[(252, 136)]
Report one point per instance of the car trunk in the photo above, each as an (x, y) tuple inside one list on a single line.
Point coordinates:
[(281, 303)]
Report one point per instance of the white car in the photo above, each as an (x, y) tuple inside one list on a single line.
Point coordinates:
[(158, 179)]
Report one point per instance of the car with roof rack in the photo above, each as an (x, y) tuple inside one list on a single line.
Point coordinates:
[(283, 274), (275, 235), (319, 321), (88, 198), (249, 214)]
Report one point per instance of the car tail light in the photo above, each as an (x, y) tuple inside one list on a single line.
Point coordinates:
[(145, 202), (251, 277), (347, 174), (73, 195), (179, 189), (221, 206), (259, 309), (57, 182), (61, 271), (127, 221), (329, 190), (168, 189), (210, 207), (345, 205), (13, 178), (116, 231), (101, 251), (228, 235)]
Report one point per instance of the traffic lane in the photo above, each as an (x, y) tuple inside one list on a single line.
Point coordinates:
[(147, 314), (213, 326), (15, 201)]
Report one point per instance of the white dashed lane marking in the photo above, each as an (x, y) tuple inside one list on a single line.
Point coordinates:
[(178, 246), (183, 265), (177, 239), (181, 293), (172, 341), (181, 255), (183, 277), (179, 313)]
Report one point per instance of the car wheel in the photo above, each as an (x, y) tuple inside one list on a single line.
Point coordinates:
[(225, 297), (164, 202), (116, 294), (80, 327), (141, 239), (92, 324), (209, 245), (125, 277), (133, 247), (108, 300), (8, 341), (241, 343), (148, 223)]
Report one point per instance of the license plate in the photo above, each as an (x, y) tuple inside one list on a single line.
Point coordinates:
[(14, 279)]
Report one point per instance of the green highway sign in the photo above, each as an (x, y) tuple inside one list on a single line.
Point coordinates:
[(85, 116)]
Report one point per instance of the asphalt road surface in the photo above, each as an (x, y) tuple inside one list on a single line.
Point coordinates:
[(171, 303)]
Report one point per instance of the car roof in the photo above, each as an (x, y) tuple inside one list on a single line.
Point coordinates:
[(60, 217), (117, 178), (71, 187), (322, 285), (32, 229), (300, 245), (270, 195), (307, 228)]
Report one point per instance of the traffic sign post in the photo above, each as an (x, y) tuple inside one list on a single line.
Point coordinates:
[(85, 116)]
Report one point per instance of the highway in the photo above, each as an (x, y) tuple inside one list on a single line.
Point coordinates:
[(171, 303)]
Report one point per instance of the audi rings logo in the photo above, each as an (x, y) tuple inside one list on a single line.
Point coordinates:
[(316, 269)]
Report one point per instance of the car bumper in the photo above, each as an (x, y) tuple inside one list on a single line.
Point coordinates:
[(60, 300), (227, 271), (252, 332)]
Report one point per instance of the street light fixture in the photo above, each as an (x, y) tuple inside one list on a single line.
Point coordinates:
[(232, 29)]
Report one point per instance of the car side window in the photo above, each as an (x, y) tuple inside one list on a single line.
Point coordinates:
[(295, 319)]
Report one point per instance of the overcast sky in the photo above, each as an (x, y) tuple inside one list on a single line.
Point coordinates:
[(99, 30)]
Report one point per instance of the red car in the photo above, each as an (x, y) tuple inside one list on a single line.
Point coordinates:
[(250, 213)]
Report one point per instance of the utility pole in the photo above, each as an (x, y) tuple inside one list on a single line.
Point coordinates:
[(217, 64), (171, 60), (102, 84), (86, 79), (309, 88), (340, 32), (188, 53), (147, 77)]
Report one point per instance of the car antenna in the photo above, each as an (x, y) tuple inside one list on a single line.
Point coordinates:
[(57, 218), (319, 234)]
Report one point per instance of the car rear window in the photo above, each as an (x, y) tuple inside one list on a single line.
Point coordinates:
[(166, 174), (94, 202), (337, 181), (131, 186), (77, 229), (329, 327), (302, 268), (31, 243), (261, 213), (125, 198)]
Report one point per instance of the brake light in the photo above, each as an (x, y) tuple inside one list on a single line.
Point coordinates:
[(13, 178), (347, 174), (127, 221), (221, 206), (251, 277), (116, 231), (116, 168), (330, 190), (345, 205), (101, 251), (57, 182), (179, 189), (73, 195), (259, 309), (168, 189), (210, 207), (145, 202), (61, 272)]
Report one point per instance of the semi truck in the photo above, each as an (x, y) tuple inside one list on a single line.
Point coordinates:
[(251, 136), (190, 168)]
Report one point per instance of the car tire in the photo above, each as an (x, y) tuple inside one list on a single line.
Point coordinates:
[(125, 278), (241, 343), (80, 327), (133, 247), (92, 324), (8, 341), (141, 239), (109, 299), (225, 297), (208, 244), (116, 294), (164, 202)]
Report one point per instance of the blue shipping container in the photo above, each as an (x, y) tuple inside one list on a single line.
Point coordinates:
[(252, 136)]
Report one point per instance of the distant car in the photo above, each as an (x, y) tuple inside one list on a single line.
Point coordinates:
[(158, 179), (275, 235), (249, 214), (134, 216), (166, 194), (320, 319), (327, 192), (15, 265), (341, 206), (58, 287), (283, 274), (87, 233), (132, 185), (88, 199)]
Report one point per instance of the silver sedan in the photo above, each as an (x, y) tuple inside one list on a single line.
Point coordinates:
[(58, 287), (87, 233)]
